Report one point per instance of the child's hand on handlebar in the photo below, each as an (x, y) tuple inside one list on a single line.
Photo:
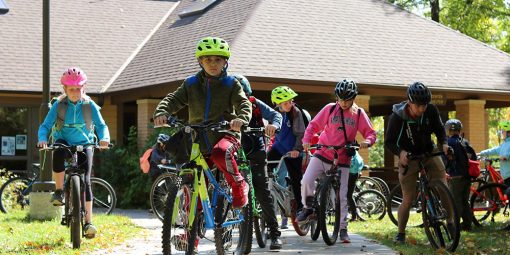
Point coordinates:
[(270, 130), (364, 145), (294, 154), (306, 146), (42, 145), (104, 144), (236, 124)]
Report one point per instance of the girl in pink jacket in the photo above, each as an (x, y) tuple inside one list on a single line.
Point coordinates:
[(330, 123)]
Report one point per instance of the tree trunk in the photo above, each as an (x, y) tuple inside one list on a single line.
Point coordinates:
[(434, 10)]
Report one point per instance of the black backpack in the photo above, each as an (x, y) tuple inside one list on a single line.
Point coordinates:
[(460, 162)]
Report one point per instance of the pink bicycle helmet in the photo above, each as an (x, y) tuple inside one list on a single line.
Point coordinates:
[(73, 76)]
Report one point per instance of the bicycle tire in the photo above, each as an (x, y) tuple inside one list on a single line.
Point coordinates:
[(171, 237), (329, 210), (223, 236), (485, 202), (159, 193), (315, 229), (259, 225), (385, 188), (437, 229), (105, 199), (14, 195), (75, 197), (393, 202), (370, 202), (246, 227), (365, 182)]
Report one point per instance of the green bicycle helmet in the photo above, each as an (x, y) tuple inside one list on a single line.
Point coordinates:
[(212, 46), (504, 125), (281, 94)]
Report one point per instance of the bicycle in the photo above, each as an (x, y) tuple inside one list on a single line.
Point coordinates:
[(183, 220), (74, 190), (490, 198), (284, 197), (15, 193), (435, 200), (161, 187)]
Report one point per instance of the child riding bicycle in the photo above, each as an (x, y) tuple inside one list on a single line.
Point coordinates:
[(410, 127), (338, 124), (503, 151), (72, 120), (213, 96), (254, 146)]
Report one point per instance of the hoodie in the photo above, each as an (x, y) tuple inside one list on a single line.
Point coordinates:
[(329, 123), (413, 135)]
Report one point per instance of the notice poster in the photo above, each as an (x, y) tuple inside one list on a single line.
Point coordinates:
[(21, 142), (8, 145)]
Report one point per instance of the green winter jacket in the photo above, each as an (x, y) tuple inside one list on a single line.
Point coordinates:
[(209, 100)]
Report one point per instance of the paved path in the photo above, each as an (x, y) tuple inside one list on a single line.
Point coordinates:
[(150, 243)]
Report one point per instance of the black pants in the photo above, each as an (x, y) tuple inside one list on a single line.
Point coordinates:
[(85, 160), (294, 171), (261, 184), (350, 189)]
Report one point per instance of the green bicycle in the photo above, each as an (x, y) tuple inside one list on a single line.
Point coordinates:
[(185, 219)]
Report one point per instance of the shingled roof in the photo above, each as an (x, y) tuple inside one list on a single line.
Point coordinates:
[(370, 41), (99, 36)]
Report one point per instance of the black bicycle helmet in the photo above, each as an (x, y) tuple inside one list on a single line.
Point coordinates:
[(418, 93), (346, 89), (453, 124), (163, 138)]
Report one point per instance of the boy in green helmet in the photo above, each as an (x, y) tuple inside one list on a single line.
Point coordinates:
[(213, 96)]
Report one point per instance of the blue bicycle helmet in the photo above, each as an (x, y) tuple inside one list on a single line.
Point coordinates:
[(244, 83)]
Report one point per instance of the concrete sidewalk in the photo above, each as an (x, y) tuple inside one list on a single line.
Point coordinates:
[(150, 243)]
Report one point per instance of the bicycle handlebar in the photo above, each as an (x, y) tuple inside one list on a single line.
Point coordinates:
[(420, 156), (73, 148)]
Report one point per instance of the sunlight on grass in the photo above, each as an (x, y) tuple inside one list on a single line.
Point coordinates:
[(486, 240), (20, 235)]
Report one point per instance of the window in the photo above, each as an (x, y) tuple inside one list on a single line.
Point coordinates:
[(13, 137)]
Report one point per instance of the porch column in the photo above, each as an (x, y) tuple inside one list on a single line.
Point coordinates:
[(145, 111), (472, 115), (109, 112)]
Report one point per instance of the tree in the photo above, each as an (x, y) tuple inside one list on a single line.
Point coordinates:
[(485, 20)]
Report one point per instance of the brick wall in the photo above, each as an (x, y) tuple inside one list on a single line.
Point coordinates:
[(109, 112), (145, 111), (474, 121)]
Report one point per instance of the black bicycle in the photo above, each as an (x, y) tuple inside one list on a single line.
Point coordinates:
[(74, 190), (15, 193)]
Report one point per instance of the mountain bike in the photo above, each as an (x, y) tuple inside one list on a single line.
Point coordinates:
[(490, 199), (185, 219), (440, 220), (15, 193), (74, 190)]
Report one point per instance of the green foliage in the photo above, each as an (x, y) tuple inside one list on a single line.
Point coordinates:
[(376, 154), (120, 167)]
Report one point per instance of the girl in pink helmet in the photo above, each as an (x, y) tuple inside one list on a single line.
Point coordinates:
[(72, 120)]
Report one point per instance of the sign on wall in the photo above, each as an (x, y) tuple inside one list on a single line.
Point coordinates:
[(8, 145)]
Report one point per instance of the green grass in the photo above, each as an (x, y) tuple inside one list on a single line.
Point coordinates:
[(20, 235), (485, 240)]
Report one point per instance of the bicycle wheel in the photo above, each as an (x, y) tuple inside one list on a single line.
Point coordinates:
[(230, 232), (315, 229), (371, 205), (105, 198), (159, 193), (246, 227), (486, 202), (75, 209), (176, 237), (440, 219), (393, 202), (385, 189), (365, 182), (329, 211), (15, 195), (259, 225)]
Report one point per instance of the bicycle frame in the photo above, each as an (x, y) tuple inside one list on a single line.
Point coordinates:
[(282, 194), (198, 168), (496, 178)]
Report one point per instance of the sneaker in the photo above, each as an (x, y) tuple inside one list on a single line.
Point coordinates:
[(90, 230), (304, 216), (344, 237), (276, 243), (400, 238), (57, 199), (240, 194), (285, 221)]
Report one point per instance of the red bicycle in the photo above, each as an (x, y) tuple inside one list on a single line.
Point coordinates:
[(490, 199)]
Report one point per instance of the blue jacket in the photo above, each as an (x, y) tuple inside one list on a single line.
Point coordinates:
[(74, 135), (502, 150)]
